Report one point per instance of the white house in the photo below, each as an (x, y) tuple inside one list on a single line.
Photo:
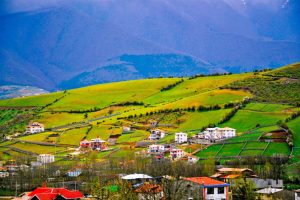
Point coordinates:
[(35, 127), (4, 174), (157, 134), (126, 129), (181, 137), (219, 133), (210, 188), (156, 148), (45, 158), (192, 159), (176, 153), (74, 173), (297, 194)]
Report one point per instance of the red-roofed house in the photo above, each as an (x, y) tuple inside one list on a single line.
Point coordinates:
[(45, 193), (207, 187)]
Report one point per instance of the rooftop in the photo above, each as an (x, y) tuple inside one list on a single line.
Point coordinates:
[(207, 182), (224, 169), (46, 193)]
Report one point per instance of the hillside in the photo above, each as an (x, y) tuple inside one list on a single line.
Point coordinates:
[(60, 44), (187, 104)]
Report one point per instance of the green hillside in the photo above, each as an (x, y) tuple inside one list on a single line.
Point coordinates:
[(178, 104)]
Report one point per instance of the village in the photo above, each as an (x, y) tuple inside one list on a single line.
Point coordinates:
[(217, 185)]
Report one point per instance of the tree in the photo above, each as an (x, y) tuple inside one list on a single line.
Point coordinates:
[(209, 166), (243, 189)]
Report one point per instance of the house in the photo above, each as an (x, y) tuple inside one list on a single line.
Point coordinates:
[(3, 172), (156, 149), (266, 183), (12, 167), (94, 144), (35, 127), (74, 172), (192, 159), (153, 123), (45, 158), (206, 188), (126, 129), (219, 133), (176, 154), (85, 144), (226, 174), (98, 144), (156, 134), (181, 137), (297, 194), (45, 193), (275, 193), (149, 191)]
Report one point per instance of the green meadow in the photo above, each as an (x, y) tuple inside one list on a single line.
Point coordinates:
[(137, 102)]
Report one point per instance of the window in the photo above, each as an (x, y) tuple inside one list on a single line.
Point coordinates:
[(221, 190), (210, 190)]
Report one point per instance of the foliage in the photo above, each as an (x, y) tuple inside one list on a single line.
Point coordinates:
[(274, 86), (169, 87), (243, 189)]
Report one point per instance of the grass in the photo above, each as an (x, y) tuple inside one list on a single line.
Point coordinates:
[(251, 152), (194, 92), (58, 119), (72, 137), (193, 87), (245, 120), (39, 149), (258, 145), (39, 100), (267, 107), (211, 151), (231, 149), (277, 148), (103, 131), (210, 98), (40, 137), (111, 93), (279, 86), (133, 137), (197, 120), (294, 125)]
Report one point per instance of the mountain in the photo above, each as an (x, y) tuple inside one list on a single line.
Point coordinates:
[(13, 91), (49, 43), (128, 67)]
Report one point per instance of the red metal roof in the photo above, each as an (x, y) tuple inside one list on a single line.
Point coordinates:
[(206, 181), (44, 193)]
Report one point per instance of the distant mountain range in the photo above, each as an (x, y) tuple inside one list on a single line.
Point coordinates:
[(12, 91), (58, 44)]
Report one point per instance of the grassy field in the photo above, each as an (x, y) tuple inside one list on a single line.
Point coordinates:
[(197, 120), (267, 107), (193, 87), (39, 149), (72, 137), (231, 149), (277, 148), (209, 98), (41, 137), (211, 151), (133, 137), (103, 131), (294, 125), (39, 100), (205, 91), (245, 120)]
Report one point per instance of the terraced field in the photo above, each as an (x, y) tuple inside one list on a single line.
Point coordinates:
[(136, 102)]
